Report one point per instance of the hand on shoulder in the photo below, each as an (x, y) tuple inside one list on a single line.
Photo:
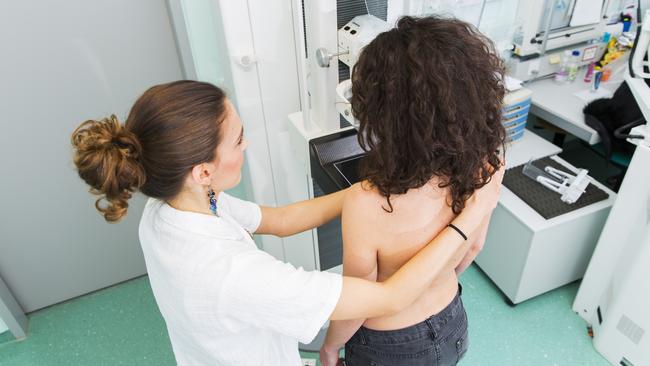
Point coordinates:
[(484, 199)]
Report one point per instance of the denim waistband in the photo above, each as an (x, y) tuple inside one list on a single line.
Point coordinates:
[(434, 326)]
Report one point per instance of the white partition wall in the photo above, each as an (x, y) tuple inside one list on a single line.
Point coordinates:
[(62, 63)]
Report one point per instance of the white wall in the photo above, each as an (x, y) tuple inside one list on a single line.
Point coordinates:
[(62, 63)]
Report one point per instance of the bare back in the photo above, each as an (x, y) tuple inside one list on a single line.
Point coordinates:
[(417, 217)]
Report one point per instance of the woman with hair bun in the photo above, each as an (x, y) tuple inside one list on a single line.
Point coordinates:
[(224, 301), (428, 93)]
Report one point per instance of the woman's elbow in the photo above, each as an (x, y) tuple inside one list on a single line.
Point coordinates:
[(394, 302)]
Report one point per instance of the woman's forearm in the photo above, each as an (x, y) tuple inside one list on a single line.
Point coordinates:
[(340, 331), (409, 282), (300, 216), (475, 248)]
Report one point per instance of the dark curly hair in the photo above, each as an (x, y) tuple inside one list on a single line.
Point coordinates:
[(428, 95)]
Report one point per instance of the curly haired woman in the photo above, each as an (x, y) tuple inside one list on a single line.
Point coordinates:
[(428, 98)]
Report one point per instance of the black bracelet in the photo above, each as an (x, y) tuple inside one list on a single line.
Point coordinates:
[(458, 231)]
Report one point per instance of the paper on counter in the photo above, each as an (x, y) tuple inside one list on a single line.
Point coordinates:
[(512, 84), (587, 95)]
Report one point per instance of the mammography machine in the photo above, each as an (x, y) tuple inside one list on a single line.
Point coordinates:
[(614, 297)]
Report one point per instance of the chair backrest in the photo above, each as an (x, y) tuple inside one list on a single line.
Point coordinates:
[(606, 115)]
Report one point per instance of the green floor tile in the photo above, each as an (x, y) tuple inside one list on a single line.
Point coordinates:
[(541, 331), (117, 326), (122, 326), (6, 336)]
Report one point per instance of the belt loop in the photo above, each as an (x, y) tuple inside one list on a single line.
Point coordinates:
[(432, 329)]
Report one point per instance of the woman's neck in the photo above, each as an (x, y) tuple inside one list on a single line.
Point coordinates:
[(192, 201)]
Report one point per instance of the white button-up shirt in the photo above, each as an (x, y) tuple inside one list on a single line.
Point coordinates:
[(225, 302)]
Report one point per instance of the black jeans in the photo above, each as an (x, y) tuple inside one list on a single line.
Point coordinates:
[(440, 340)]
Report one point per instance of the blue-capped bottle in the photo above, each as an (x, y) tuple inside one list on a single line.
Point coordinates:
[(573, 66)]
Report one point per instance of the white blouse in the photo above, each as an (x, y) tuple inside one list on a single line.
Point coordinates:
[(225, 302)]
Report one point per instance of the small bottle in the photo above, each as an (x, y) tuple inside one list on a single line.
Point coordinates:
[(607, 72), (598, 74), (589, 74), (573, 66), (563, 72)]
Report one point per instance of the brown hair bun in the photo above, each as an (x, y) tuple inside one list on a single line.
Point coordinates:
[(107, 157)]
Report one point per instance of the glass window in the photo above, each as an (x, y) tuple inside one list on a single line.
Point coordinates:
[(495, 18)]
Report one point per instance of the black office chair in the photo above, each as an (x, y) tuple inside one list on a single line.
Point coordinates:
[(618, 158)]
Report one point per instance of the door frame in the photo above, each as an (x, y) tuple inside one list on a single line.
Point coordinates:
[(11, 313)]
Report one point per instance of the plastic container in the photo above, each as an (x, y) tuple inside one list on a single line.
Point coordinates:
[(516, 105), (533, 172), (562, 74), (627, 22), (606, 37), (573, 66)]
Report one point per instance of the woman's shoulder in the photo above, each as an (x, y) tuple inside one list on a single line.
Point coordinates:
[(364, 205), (365, 199), (363, 195)]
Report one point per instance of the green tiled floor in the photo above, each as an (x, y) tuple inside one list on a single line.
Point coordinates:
[(5, 337), (122, 326), (541, 331)]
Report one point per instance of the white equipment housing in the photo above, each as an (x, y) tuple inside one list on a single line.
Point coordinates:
[(343, 106), (614, 296), (356, 34)]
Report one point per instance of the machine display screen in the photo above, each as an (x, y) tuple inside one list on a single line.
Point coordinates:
[(349, 169)]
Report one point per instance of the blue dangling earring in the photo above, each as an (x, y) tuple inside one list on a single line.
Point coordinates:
[(213, 201)]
